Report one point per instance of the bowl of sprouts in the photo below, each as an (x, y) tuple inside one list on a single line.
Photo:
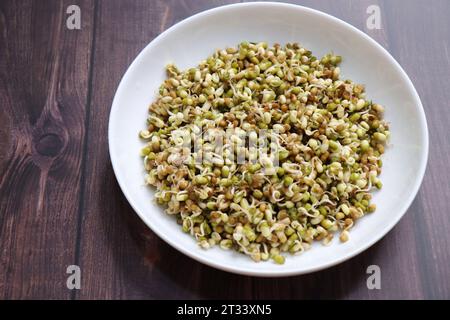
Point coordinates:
[(267, 139)]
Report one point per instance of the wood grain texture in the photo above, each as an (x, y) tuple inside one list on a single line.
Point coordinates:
[(60, 202), (427, 60), (43, 88)]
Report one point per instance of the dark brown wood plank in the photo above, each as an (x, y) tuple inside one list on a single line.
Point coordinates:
[(421, 43), (43, 89)]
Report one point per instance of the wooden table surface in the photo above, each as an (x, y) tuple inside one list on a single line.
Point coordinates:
[(60, 202)]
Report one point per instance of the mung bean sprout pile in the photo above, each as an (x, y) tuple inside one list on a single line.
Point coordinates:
[(313, 177)]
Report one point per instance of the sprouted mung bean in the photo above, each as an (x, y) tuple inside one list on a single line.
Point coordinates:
[(330, 138)]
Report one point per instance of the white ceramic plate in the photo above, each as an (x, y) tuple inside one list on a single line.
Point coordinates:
[(365, 61)]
